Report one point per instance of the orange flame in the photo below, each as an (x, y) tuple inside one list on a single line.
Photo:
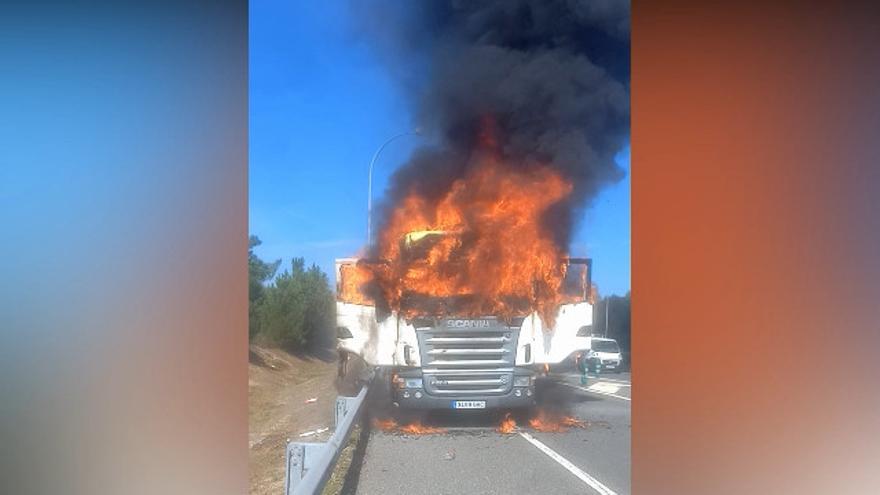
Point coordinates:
[(573, 422), (552, 423), (507, 424), (541, 425), (479, 248), (414, 428), (483, 243), (417, 428), (387, 425), (352, 279)]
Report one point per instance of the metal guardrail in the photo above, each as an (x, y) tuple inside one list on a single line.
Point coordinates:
[(309, 464)]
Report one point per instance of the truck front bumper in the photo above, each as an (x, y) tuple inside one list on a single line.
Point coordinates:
[(507, 401), (419, 398)]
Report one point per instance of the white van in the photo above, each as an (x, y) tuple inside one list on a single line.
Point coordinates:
[(607, 351)]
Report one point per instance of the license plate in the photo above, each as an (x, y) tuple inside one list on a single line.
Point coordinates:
[(469, 404)]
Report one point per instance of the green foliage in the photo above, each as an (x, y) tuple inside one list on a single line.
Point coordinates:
[(259, 272), (297, 307)]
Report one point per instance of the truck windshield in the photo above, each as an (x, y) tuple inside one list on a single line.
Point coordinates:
[(605, 346)]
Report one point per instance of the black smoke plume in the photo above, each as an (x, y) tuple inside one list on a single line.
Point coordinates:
[(550, 77)]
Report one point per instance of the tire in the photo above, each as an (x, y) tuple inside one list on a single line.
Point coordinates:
[(342, 365)]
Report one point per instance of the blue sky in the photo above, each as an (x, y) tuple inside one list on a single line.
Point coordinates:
[(320, 105)]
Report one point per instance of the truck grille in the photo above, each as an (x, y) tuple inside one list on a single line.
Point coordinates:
[(467, 357)]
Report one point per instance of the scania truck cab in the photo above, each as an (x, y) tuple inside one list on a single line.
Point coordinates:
[(457, 362)]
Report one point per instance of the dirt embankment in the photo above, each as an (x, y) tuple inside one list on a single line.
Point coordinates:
[(280, 388)]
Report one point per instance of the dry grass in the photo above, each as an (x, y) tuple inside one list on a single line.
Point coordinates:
[(279, 384)]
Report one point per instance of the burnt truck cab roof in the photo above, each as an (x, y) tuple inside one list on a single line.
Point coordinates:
[(415, 245)]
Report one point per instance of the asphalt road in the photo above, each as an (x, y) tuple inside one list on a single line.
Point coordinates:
[(472, 457)]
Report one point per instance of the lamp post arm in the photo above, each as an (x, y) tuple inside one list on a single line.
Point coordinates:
[(370, 182)]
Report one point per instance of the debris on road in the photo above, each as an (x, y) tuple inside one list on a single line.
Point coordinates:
[(574, 422), (314, 432), (312, 400), (449, 455)]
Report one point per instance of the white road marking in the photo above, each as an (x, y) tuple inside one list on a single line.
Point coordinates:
[(602, 378), (605, 387), (614, 380), (597, 392), (586, 478)]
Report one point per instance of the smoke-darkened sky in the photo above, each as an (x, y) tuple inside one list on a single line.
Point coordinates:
[(325, 95), (550, 78)]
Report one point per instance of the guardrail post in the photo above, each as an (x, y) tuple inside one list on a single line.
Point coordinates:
[(341, 409), (301, 457), (309, 464), (296, 453)]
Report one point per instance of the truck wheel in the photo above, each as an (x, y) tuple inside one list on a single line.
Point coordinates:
[(342, 365), (347, 377)]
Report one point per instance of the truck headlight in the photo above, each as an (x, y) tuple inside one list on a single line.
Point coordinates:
[(522, 381), (413, 383)]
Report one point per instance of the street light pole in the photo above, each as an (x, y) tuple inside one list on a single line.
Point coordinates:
[(607, 304), (370, 182)]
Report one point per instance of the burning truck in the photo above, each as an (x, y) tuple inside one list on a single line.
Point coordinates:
[(466, 313), (468, 289)]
